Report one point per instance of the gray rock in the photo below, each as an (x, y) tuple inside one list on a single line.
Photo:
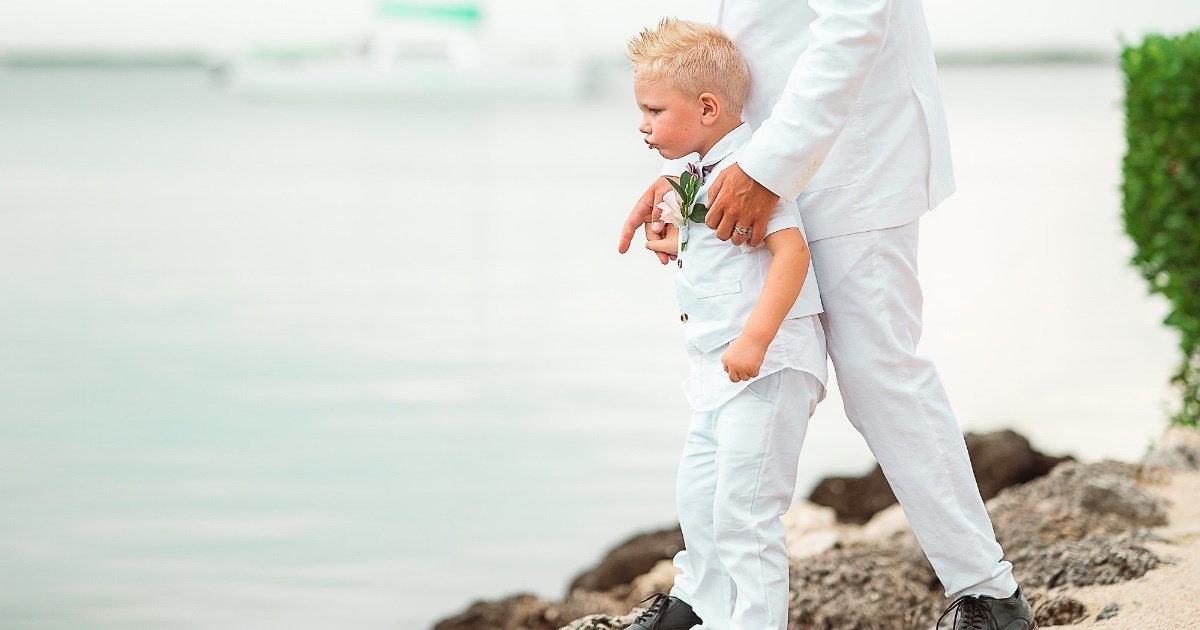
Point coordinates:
[(864, 588), (1093, 560), (1173, 458), (601, 622), (1116, 495), (1179, 449), (630, 559), (518, 611), (1060, 611), (528, 612), (1000, 460), (1109, 611), (1069, 505)]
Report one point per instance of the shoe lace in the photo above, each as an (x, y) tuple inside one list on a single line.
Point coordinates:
[(655, 609), (970, 613)]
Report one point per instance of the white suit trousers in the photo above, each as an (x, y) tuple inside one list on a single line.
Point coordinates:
[(736, 479), (895, 398)]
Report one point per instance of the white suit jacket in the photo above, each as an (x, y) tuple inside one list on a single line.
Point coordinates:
[(717, 284), (846, 108)]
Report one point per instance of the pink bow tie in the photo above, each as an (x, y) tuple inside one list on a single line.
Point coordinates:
[(702, 172)]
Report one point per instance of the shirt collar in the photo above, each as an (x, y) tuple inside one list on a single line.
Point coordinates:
[(726, 145)]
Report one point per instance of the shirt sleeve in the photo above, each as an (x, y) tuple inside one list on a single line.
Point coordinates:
[(786, 215), (788, 148)]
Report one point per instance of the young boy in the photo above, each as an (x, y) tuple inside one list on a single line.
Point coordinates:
[(757, 349)]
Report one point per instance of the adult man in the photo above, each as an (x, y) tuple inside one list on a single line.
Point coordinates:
[(849, 119)]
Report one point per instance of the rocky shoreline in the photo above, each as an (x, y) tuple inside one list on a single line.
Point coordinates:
[(856, 566)]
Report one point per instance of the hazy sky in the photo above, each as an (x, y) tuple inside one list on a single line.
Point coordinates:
[(598, 26)]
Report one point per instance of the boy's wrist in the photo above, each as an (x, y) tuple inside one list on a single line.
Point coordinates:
[(756, 338)]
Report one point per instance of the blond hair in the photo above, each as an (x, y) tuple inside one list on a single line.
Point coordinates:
[(695, 58)]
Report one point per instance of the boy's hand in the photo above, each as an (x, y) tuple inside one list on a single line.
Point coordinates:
[(645, 214), (736, 200), (668, 244), (743, 359)]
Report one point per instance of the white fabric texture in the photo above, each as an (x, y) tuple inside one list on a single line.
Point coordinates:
[(736, 479), (799, 345), (894, 397)]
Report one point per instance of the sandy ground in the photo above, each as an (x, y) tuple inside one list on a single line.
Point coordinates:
[(1167, 598)]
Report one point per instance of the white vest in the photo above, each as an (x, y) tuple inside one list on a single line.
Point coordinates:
[(717, 283)]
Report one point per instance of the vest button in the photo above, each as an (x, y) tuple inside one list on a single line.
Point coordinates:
[(683, 317)]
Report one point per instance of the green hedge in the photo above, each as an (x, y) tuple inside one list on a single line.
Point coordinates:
[(1162, 188)]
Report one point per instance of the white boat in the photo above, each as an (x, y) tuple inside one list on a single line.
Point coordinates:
[(416, 48)]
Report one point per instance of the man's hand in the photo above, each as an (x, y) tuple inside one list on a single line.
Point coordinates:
[(736, 200), (743, 359), (645, 214)]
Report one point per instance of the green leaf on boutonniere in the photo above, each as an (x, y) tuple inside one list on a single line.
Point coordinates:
[(678, 188), (698, 213), (685, 179)]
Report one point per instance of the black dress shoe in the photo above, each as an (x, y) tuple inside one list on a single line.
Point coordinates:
[(666, 613), (980, 612)]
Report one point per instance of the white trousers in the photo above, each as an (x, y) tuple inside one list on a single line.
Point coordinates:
[(736, 479), (895, 398)]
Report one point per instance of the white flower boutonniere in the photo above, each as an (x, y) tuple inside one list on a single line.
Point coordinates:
[(679, 206), (671, 209)]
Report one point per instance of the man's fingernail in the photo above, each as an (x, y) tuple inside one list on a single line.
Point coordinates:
[(656, 226)]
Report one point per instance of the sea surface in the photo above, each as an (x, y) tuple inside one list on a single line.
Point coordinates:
[(353, 362)]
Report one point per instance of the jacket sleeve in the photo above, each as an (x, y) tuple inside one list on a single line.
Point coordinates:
[(788, 148)]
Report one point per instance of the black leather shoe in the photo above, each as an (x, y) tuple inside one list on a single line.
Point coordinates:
[(666, 613), (980, 612)]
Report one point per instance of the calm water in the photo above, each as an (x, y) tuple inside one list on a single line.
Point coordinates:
[(278, 364)]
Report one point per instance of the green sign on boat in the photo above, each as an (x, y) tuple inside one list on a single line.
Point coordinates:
[(464, 12)]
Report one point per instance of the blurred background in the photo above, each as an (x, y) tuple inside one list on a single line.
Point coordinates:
[(311, 314)]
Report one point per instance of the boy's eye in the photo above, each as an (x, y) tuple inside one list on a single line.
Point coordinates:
[(655, 111)]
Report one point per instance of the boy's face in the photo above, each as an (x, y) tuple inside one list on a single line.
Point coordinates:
[(670, 120)]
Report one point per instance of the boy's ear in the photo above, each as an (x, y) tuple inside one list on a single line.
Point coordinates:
[(710, 108)]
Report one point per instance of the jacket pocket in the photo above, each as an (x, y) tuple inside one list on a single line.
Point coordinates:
[(766, 387), (712, 312), (847, 160), (714, 289)]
